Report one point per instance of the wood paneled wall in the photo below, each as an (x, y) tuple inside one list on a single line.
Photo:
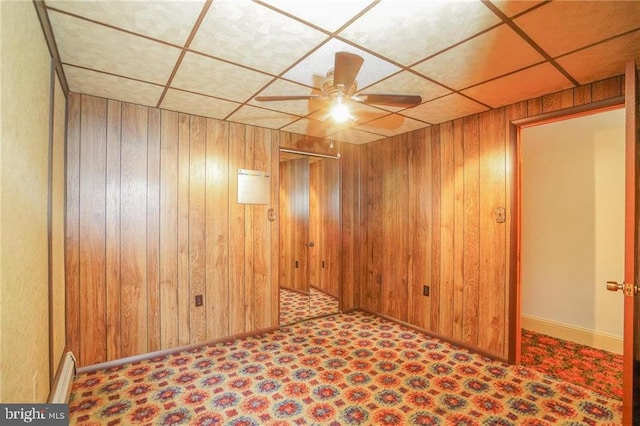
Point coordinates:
[(153, 221), (429, 209), (352, 227)]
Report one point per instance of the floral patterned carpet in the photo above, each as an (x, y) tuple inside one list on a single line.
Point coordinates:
[(345, 369), (296, 306), (595, 369)]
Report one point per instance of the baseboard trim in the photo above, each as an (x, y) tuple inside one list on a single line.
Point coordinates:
[(446, 339), (163, 352), (573, 333)]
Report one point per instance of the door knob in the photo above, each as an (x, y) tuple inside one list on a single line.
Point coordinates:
[(312, 244), (629, 289), (614, 286)]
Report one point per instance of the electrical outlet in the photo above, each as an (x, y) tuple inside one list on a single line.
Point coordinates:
[(199, 301), (425, 290)]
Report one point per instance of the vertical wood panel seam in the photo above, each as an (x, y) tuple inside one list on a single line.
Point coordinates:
[(160, 121), (105, 242), (78, 286), (146, 236), (189, 267), (229, 226), (204, 222), (120, 322)]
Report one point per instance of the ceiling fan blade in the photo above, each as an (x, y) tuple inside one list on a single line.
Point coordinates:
[(285, 98), (346, 68), (390, 100)]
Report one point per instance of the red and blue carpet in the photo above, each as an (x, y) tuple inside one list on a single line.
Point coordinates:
[(296, 306), (591, 368), (351, 369)]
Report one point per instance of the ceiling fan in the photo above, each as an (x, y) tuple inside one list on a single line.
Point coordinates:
[(339, 85)]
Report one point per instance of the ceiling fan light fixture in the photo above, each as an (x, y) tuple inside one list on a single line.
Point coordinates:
[(340, 112)]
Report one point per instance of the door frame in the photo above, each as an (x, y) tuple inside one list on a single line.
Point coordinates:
[(300, 152), (515, 145)]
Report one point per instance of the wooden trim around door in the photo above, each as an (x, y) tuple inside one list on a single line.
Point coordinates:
[(515, 142)]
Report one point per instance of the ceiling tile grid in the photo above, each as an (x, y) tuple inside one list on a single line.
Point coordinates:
[(255, 36), (212, 77), (101, 48), (103, 85), (212, 58), (168, 21), (495, 53)]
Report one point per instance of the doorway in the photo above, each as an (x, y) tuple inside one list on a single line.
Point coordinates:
[(309, 264), (572, 242)]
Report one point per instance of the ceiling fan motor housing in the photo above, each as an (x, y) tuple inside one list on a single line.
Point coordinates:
[(332, 91)]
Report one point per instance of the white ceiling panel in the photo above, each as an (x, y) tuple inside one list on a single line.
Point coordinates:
[(261, 117), (512, 8), (460, 56), (101, 48), (312, 69), (297, 107), (253, 35), (408, 31), (169, 21), (444, 109), (355, 136), (604, 59), (306, 126), (407, 83), (392, 124), (328, 14), (212, 77), (560, 27), (103, 85), (519, 86), (492, 54), (191, 103)]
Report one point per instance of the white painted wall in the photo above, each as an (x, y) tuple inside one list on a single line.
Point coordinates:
[(573, 221)]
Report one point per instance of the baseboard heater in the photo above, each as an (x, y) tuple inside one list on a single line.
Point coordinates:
[(64, 377)]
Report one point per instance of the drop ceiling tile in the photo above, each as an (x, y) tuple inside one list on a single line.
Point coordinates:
[(212, 77), (604, 60), (253, 35), (492, 54), (169, 21), (306, 126), (408, 31), (512, 8), (327, 14), (444, 109), (407, 83), (312, 69), (526, 84), (95, 83), (191, 103), (357, 137), (299, 107), (97, 47), (261, 117), (393, 124), (560, 27)]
